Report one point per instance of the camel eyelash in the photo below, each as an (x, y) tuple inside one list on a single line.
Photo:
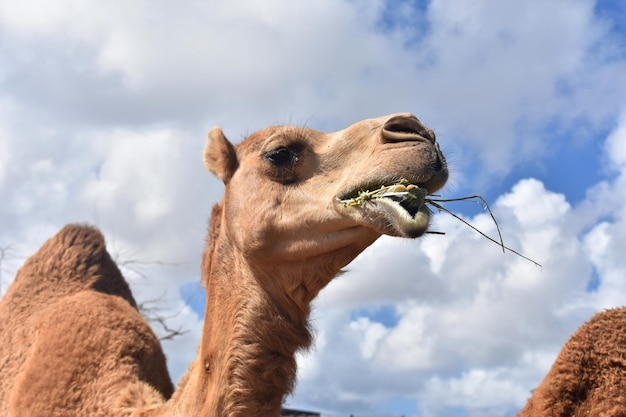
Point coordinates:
[(282, 156)]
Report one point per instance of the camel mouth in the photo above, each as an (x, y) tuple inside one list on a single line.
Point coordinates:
[(396, 208), (409, 196)]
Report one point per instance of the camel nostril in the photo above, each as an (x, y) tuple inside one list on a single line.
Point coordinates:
[(406, 128)]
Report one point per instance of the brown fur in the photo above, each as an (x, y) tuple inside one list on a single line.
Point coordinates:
[(588, 376), (73, 343), (70, 305)]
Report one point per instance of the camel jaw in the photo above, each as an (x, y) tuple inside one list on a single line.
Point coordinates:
[(396, 209)]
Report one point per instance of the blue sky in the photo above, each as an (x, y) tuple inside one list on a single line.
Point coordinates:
[(103, 113)]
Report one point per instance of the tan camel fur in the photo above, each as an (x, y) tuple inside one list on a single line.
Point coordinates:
[(587, 378), (71, 339), (73, 344)]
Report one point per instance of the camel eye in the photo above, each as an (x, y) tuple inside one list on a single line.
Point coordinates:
[(282, 157)]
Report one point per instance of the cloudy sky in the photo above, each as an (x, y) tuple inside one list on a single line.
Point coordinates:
[(104, 108)]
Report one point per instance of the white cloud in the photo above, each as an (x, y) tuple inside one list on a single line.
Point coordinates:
[(136, 168), (247, 65), (372, 333), (36, 17), (478, 391), (409, 346), (533, 207), (616, 144), (496, 73), (4, 155)]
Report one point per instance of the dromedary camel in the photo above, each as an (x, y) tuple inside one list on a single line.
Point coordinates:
[(588, 377), (73, 344)]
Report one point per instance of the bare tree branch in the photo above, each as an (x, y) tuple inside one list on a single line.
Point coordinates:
[(131, 263), (152, 310)]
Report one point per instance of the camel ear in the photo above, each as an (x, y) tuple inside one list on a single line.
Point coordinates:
[(219, 155)]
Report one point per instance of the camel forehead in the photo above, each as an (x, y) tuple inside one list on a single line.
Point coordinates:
[(256, 140)]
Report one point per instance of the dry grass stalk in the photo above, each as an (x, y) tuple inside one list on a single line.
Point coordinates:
[(412, 196)]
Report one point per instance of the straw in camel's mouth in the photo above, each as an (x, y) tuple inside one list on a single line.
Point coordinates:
[(396, 208), (399, 208), (409, 196)]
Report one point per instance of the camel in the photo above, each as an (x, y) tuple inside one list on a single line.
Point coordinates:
[(588, 376), (72, 342)]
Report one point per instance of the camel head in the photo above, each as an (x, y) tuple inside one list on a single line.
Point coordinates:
[(286, 186)]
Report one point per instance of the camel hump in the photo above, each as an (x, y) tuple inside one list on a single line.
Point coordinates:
[(74, 259), (85, 239)]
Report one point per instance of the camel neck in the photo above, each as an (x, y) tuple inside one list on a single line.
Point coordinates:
[(246, 363)]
